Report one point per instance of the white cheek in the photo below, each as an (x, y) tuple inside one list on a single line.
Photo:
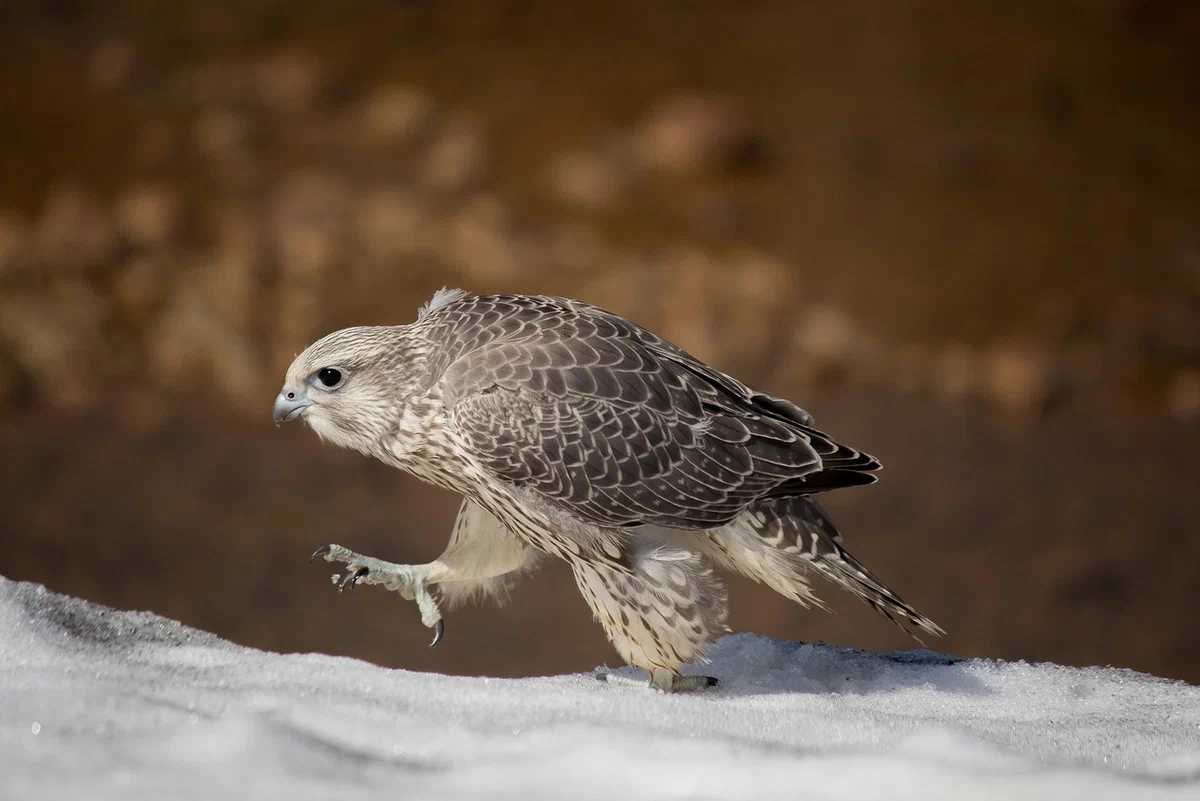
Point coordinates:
[(325, 429)]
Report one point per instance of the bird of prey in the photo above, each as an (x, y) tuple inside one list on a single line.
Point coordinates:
[(573, 432)]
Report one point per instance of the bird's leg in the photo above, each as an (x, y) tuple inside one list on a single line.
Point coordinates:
[(662, 681), (666, 681), (411, 581)]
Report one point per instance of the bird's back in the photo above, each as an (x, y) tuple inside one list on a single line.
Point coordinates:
[(615, 423)]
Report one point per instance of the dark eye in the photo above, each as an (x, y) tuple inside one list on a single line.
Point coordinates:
[(329, 376)]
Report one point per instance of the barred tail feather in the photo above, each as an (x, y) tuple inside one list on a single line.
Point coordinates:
[(848, 573), (777, 541)]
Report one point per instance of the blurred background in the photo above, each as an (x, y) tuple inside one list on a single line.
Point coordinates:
[(966, 236)]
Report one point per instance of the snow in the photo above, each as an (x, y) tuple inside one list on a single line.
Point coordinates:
[(96, 703)]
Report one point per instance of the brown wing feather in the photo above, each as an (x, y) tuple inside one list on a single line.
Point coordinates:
[(618, 426)]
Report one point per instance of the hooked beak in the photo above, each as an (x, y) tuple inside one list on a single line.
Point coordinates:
[(288, 406)]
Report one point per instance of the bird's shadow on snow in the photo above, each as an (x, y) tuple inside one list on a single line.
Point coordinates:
[(747, 665)]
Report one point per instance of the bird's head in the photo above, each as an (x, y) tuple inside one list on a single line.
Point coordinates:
[(351, 385)]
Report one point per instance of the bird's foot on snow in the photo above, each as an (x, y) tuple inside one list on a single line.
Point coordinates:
[(411, 581), (661, 681)]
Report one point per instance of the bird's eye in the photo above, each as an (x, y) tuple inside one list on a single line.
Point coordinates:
[(329, 376)]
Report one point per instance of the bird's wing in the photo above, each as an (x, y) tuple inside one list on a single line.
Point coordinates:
[(618, 427)]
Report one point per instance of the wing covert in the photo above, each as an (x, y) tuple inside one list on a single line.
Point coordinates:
[(617, 427)]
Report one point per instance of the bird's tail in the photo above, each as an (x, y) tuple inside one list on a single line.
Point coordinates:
[(848, 573), (778, 540)]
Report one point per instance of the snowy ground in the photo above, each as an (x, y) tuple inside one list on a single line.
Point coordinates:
[(97, 703)]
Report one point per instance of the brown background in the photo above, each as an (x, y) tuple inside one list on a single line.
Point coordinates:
[(965, 236)]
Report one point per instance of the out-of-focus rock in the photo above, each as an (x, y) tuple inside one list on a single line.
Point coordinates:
[(577, 247), (967, 164), (698, 132), (1083, 363), (142, 411), (1019, 377), (242, 176), (80, 306), (13, 239), (903, 366), (139, 287), (482, 241), (689, 311), (212, 84), (193, 348), (299, 314), (865, 153), (8, 379), (155, 144), (221, 133), (759, 278), (234, 274), (457, 157), (1175, 324), (307, 227), (148, 215), (713, 213), (54, 338), (306, 220), (390, 223), (628, 284), (74, 233), (291, 82), (239, 373), (111, 63), (956, 372), (587, 180), (184, 329), (396, 116), (751, 295), (829, 336), (1183, 394)]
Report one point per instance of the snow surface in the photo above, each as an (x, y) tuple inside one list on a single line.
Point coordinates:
[(96, 703)]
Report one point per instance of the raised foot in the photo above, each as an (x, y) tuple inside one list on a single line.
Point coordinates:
[(661, 681), (411, 581)]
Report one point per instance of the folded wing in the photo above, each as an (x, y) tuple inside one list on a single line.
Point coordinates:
[(621, 428)]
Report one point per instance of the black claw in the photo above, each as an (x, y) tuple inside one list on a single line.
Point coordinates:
[(324, 549), (439, 629), (351, 579), (711, 681)]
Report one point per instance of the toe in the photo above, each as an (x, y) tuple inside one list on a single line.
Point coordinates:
[(322, 551), (352, 578)]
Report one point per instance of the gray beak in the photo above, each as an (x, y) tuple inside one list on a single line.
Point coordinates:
[(289, 405)]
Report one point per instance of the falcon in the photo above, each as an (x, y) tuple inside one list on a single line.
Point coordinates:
[(575, 433)]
